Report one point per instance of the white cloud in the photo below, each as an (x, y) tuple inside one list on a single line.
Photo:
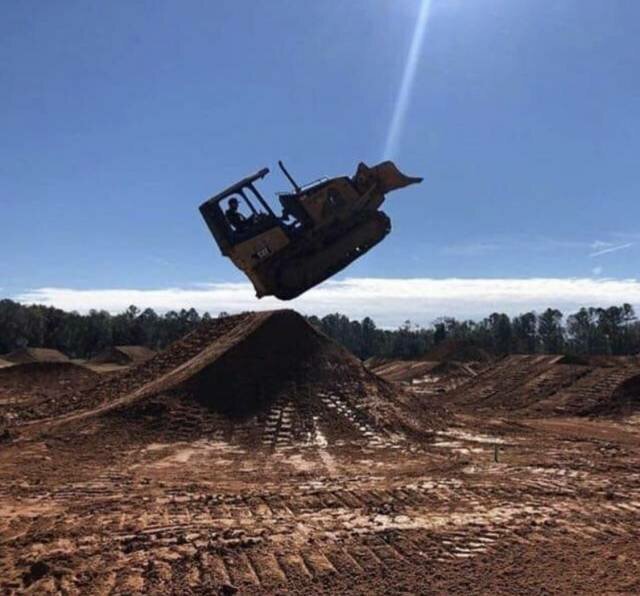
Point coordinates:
[(388, 301)]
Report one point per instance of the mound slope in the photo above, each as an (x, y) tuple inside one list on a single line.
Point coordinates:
[(458, 351), (23, 355), (123, 355), (399, 371), (264, 378), (545, 385), (624, 400), (34, 390), (598, 392)]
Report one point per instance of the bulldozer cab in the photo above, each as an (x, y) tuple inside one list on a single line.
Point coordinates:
[(239, 213)]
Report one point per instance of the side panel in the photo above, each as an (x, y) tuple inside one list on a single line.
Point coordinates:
[(331, 203), (249, 254)]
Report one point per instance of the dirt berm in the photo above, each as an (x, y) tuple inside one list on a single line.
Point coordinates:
[(36, 390), (255, 372), (123, 355), (457, 351), (24, 355)]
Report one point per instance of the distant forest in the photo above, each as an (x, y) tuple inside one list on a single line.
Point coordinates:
[(611, 331)]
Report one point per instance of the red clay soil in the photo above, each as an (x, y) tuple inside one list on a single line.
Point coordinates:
[(113, 386), (458, 351), (617, 361), (257, 457), (546, 385), (41, 389), (399, 371), (123, 355), (105, 387), (24, 355), (406, 371), (558, 514), (262, 366), (624, 400), (454, 369)]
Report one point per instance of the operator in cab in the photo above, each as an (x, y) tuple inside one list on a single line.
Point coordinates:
[(238, 222)]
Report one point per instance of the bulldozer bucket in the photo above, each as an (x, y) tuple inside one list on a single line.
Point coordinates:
[(389, 177)]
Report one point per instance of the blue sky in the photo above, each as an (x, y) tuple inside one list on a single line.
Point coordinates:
[(119, 118)]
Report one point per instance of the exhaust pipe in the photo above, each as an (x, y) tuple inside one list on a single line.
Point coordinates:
[(293, 182)]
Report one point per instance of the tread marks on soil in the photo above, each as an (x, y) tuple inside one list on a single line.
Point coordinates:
[(197, 548)]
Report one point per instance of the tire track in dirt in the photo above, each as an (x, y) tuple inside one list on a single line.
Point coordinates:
[(226, 538)]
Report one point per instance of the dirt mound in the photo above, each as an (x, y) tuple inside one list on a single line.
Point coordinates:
[(36, 390), (545, 385), (614, 361), (23, 355), (123, 355), (573, 359), (376, 361), (624, 399), (176, 354), (106, 388), (513, 383), (399, 371), (458, 351), (453, 368), (266, 378), (602, 391)]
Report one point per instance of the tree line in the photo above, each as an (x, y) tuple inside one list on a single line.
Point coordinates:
[(590, 331), (83, 336)]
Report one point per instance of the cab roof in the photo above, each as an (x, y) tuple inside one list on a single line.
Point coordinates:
[(237, 186)]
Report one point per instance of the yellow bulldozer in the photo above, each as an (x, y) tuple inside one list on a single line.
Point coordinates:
[(324, 226)]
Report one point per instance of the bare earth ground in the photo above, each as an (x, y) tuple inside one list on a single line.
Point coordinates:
[(559, 513), (249, 507)]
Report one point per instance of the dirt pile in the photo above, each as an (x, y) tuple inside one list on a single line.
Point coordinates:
[(614, 361), (514, 383), (376, 361), (265, 378), (545, 385), (598, 392), (123, 355), (424, 377), (115, 386), (457, 351), (36, 390), (23, 355), (624, 400), (454, 369), (399, 371), (415, 371), (78, 387)]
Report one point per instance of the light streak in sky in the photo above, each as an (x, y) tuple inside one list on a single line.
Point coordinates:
[(408, 77)]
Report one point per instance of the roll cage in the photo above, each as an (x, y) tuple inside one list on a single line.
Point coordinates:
[(260, 220)]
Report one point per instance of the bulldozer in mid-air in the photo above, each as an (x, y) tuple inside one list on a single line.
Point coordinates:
[(324, 226)]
